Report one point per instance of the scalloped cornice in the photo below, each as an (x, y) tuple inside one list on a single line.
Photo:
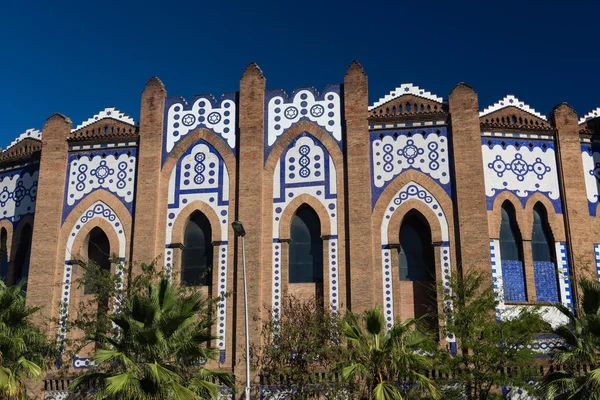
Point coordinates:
[(108, 112), (29, 133), (591, 115), (406, 88), (511, 101)]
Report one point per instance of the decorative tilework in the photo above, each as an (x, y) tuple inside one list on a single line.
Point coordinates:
[(202, 112), (590, 156), (80, 363), (108, 112), (548, 312), (303, 105), (591, 115), (511, 101), (411, 190), (29, 133), (564, 276), (393, 152), (18, 193), (513, 278), (276, 392), (101, 146), (597, 257), (406, 88), (514, 135), (408, 125), (546, 283), (388, 287), (516, 393), (520, 167), (305, 167), (56, 395), (497, 274), (201, 175), (114, 171), (98, 210)]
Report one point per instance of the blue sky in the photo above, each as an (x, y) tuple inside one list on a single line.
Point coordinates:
[(79, 57)]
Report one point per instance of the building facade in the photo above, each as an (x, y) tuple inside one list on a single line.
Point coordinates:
[(358, 204)]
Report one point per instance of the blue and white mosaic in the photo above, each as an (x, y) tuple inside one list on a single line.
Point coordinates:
[(18, 192), (56, 395), (304, 105), (406, 89), (511, 101), (305, 167), (597, 258), (108, 112), (202, 112), (549, 313), (113, 170), (29, 133), (201, 175), (393, 152), (520, 167), (411, 191), (98, 210), (590, 155)]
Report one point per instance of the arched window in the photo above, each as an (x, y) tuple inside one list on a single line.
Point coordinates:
[(3, 254), (511, 254), (196, 263), (306, 247), (510, 237), (416, 259), (98, 252), (21, 265), (544, 266), (541, 239)]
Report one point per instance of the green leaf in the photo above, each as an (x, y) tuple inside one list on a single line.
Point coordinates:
[(386, 391)]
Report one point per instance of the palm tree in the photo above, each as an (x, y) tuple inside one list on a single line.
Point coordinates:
[(580, 354), (24, 348), (385, 364), (158, 350)]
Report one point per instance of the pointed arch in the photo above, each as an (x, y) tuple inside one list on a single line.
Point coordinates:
[(98, 251), (292, 208), (22, 253), (511, 247), (555, 221), (416, 257), (197, 255), (283, 141), (494, 216), (544, 257), (511, 255), (306, 247)]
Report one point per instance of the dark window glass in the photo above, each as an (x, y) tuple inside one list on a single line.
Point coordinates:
[(541, 239), (3, 254), (416, 259), (22, 256), (197, 256), (510, 238), (306, 247), (98, 252)]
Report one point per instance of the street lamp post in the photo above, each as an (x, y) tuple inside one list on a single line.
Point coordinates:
[(238, 228)]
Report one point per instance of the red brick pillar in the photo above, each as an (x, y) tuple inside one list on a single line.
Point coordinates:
[(250, 207), (578, 223), (472, 236), (46, 264), (358, 180), (148, 185)]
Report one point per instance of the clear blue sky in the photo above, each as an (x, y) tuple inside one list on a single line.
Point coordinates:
[(78, 57)]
